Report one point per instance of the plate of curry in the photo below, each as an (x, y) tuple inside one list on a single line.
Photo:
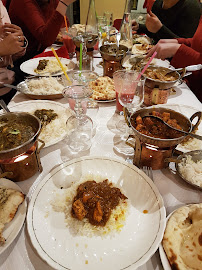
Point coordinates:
[(129, 248)]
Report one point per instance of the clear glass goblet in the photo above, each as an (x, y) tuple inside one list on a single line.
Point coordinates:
[(84, 77), (79, 126)]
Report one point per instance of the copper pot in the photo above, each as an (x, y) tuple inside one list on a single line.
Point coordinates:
[(185, 123), (28, 120)]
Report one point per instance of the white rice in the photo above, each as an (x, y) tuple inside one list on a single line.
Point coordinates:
[(191, 171), (84, 228), (44, 86), (52, 66), (56, 128)]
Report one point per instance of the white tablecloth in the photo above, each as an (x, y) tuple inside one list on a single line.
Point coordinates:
[(21, 255)]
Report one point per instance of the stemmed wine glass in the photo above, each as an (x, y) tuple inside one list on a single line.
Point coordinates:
[(131, 96), (79, 126)]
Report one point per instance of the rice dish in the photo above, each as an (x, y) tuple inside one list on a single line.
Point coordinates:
[(56, 129), (83, 227), (191, 171), (52, 66), (44, 86)]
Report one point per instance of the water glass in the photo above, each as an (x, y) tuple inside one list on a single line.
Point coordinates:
[(109, 17)]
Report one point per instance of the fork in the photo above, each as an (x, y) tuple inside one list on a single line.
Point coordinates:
[(148, 171)]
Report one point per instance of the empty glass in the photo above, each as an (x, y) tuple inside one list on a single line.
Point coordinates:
[(109, 18), (79, 126)]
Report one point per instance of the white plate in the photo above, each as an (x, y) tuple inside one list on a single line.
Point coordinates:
[(12, 229), (155, 61), (29, 65), (164, 259), (32, 105), (106, 101), (132, 247)]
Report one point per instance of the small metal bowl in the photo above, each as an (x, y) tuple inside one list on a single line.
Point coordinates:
[(23, 88), (196, 156)]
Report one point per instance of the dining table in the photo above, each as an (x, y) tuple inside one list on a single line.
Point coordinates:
[(21, 254)]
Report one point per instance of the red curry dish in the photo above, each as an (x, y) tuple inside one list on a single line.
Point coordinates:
[(95, 201), (153, 128)]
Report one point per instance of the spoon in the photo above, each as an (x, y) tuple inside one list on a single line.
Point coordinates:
[(186, 69), (9, 85), (4, 106), (182, 131)]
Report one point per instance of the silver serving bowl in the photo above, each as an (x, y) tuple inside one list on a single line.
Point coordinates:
[(196, 156), (185, 123), (152, 83)]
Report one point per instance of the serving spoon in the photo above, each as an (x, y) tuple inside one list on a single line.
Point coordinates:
[(182, 131), (4, 106), (186, 69)]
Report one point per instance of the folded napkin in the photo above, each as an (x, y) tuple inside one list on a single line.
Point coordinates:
[(61, 52)]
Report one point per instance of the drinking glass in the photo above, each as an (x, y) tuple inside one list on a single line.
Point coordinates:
[(102, 23), (84, 77), (130, 94), (109, 17), (68, 42), (79, 126)]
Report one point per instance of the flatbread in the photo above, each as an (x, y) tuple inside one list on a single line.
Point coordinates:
[(141, 48), (10, 200), (182, 239), (103, 88)]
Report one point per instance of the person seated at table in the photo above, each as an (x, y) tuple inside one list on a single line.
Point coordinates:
[(170, 19), (12, 46), (184, 52), (40, 20)]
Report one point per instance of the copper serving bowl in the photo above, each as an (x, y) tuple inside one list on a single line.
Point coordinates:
[(185, 123), (28, 120), (152, 83), (110, 56)]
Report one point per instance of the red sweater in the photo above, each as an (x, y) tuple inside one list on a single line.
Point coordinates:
[(190, 53), (40, 25)]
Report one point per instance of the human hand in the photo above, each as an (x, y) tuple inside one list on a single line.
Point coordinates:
[(148, 4), (164, 50), (12, 28), (11, 44), (153, 23), (168, 41), (135, 25)]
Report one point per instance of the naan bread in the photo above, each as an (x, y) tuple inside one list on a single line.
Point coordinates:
[(182, 239), (141, 48), (10, 200), (103, 88)]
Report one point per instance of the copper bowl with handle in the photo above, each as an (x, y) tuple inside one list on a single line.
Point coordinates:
[(184, 122), (28, 120)]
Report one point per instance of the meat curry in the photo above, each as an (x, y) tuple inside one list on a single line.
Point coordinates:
[(153, 128), (95, 201)]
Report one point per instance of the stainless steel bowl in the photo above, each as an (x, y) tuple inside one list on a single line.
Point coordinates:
[(185, 123), (152, 83), (104, 50), (196, 156)]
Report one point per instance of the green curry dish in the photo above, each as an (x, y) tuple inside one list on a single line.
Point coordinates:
[(45, 116)]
